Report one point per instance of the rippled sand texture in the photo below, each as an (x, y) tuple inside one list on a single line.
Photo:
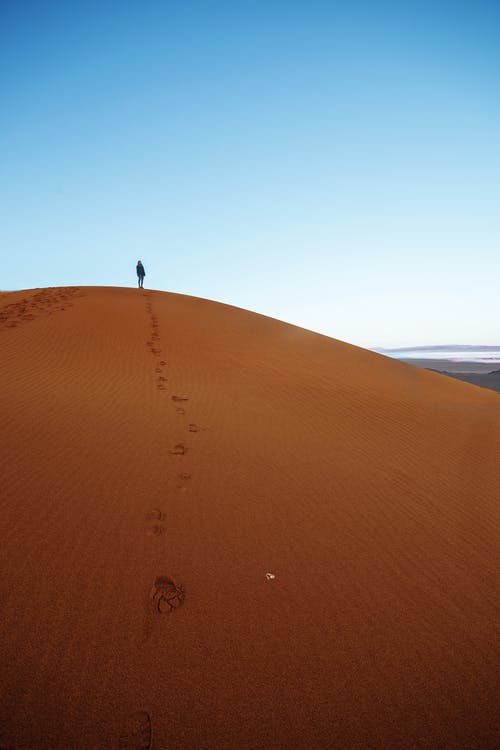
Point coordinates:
[(221, 531)]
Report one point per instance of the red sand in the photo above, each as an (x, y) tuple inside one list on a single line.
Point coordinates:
[(160, 455)]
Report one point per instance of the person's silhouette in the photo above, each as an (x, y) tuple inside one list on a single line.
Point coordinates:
[(140, 273)]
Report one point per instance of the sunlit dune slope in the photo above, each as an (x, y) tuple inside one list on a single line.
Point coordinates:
[(160, 455)]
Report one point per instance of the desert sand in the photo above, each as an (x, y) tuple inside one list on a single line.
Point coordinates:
[(220, 531)]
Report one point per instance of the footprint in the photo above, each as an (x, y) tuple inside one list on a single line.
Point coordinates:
[(180, 411), (178, 450), (163, 363), (137, 732), (179, 398), (155, 530), (183, 477), (193, 428), (166, 595), (155, 515)]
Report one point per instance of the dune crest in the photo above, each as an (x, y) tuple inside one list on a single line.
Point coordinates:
[(220, 530)]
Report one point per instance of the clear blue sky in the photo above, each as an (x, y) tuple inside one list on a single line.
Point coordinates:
[(335, 165)]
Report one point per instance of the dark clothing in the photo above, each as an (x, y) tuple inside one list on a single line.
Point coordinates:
[(140, 273)]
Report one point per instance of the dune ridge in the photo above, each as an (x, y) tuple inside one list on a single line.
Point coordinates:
[(161, 455)]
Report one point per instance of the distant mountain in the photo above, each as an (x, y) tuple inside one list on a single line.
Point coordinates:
[(440, 348)]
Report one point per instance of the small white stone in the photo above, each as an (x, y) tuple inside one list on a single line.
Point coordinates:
[(270, 576)]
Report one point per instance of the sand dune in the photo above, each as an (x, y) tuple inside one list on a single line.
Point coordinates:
[(161, 455)]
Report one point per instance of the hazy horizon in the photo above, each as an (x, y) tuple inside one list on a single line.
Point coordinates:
[(440, 347), (334, 166)]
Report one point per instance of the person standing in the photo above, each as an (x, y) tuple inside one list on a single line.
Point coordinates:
[(140, 273)]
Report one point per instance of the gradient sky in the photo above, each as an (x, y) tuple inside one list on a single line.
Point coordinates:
[(335, 165)]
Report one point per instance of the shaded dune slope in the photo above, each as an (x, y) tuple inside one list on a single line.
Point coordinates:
[(160, 455)]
